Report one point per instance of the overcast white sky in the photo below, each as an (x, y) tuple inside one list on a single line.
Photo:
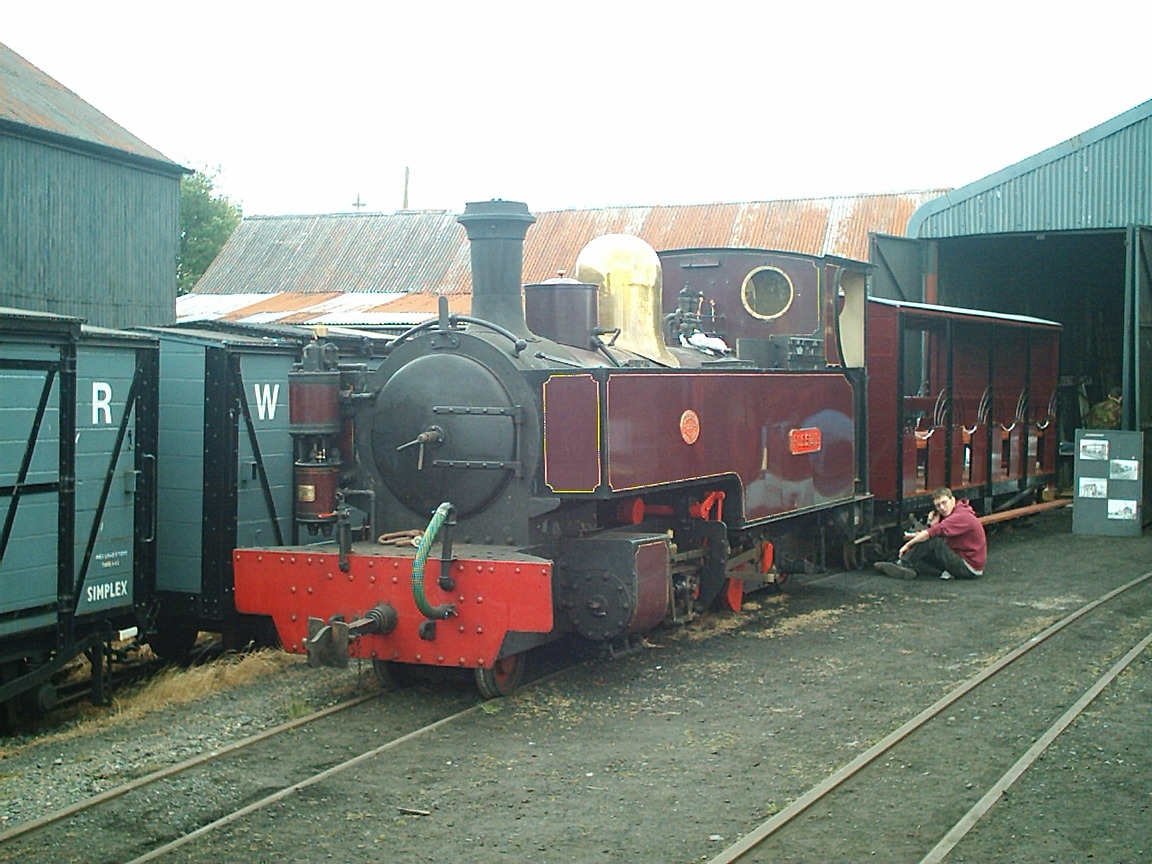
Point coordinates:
[(305, 107)]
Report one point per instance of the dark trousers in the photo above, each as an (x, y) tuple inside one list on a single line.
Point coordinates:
[(933, 557)]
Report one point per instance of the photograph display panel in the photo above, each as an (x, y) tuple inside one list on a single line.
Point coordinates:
[(1108, 487)]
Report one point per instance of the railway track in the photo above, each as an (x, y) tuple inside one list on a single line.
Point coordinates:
[(1009, 714), (170, 807), (159, 813)]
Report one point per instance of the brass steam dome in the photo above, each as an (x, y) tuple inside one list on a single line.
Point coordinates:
[(627, 271)]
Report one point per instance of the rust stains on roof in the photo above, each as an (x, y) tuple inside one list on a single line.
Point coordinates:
[(815, 226), (425, 304), (38, 105), (362, 309), (427, 252)]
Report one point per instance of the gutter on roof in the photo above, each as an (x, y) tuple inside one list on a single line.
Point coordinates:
[(91, 148)]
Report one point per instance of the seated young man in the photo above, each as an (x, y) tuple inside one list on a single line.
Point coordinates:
[(953, 544)]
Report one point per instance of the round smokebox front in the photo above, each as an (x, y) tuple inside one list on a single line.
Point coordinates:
[(444, 430)]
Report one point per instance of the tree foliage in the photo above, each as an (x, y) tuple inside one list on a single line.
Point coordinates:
[(207, 220)]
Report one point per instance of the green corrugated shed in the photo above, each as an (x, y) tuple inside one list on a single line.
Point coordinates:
[(1099, 179), (89, 214)]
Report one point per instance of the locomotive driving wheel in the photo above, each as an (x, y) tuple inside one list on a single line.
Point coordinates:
[(393, 675), (502, 679)]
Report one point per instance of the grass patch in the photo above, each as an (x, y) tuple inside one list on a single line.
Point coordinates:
[(170, 686), (299, 708), (176, 686)]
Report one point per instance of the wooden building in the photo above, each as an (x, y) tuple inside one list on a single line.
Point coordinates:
[(89, 213)]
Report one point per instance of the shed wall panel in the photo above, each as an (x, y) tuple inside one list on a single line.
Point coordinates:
[(86, 237)]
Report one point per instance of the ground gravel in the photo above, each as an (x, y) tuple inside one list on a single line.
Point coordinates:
[(76, 754), (673, 752)]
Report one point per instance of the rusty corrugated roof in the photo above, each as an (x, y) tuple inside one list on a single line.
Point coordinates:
[(32, 99), (427, 251), (378, 269)]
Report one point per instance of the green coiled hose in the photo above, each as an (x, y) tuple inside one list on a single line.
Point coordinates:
[(444, 610)]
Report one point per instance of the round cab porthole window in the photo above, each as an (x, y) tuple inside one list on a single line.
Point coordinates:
[(767, 292)]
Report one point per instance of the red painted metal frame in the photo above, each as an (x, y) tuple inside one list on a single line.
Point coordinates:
[(493, 597), (884, 426)]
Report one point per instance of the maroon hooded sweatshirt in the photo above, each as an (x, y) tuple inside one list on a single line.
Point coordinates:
[(962, 531)]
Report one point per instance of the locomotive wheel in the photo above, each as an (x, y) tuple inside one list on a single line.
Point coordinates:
[(502, 679), (393, 675)]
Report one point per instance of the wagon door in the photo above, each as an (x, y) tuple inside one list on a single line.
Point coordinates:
[(181, 471), (972, 375), (1010, 404), (112, 385), (34, 504), (264, 466)]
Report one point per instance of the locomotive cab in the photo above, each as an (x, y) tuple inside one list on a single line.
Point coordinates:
[(778, 310)]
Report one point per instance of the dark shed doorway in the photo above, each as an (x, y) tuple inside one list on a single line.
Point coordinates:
[(1097, 284)]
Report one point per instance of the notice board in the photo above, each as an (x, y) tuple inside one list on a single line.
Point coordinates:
[(1109, 483)]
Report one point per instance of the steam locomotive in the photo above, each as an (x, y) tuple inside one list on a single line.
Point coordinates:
[(602, 453)]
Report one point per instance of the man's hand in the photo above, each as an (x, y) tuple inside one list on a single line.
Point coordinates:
[(918, 537)]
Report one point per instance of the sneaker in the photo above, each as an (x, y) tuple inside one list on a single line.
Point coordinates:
[(895, 570), (945, 575)]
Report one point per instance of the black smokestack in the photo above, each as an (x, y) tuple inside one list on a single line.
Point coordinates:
[(496, 230)]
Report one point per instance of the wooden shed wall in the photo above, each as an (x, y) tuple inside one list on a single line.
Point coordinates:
[(87, 236)]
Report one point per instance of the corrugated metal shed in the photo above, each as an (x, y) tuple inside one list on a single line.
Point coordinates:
[(427, 251), (32, 103), (1099, 179), (343, 252)]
